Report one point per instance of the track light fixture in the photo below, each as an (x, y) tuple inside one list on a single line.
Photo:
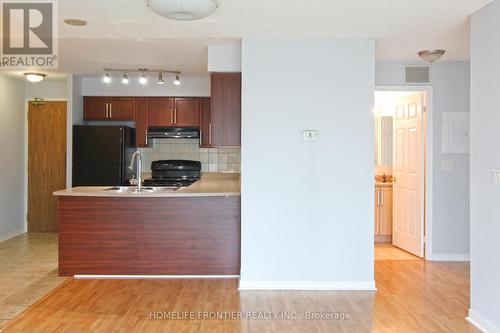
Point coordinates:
[(143, 79), (125, 78), (177, 80)]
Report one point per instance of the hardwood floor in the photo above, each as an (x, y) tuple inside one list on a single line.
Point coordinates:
[(385, 251), (412, 296), (28, 271)]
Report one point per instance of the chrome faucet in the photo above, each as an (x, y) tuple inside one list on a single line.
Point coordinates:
[(137, 158)]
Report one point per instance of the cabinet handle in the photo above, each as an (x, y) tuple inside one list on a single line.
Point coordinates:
[(175, 116), (110, 110), (201, 138), (146, 137), (210, 133), (172, 116), (107, 112)]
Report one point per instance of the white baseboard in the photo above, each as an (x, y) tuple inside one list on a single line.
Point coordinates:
[(481, 323), (307, 285), (11, 234), (165, 277), (449, 257)]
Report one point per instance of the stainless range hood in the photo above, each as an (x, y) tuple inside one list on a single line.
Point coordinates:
[(173, 133)]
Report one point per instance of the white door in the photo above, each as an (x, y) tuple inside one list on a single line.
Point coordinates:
[(408, 223)]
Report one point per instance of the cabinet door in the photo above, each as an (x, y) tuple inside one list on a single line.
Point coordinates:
[(386, 211), (95, 108), (187, 112), (226, 109), (121, 108), (141, 123), (205, 123), (377, 212), (161, 111)]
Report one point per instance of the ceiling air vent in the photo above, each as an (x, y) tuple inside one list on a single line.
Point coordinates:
[(417, 74)]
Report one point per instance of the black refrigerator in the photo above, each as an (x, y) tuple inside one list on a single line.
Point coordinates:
[(101, 155)]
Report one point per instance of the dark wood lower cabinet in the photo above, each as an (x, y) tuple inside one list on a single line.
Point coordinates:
[(149, 236)]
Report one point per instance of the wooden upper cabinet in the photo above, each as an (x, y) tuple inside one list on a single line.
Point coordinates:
[(109, 108), (226, 109), (122, 108), (161, 112), (95, 108), (205, 123), (187, 112), (141, 123)]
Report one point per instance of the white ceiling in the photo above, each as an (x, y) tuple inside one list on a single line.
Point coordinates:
[(126, 33)]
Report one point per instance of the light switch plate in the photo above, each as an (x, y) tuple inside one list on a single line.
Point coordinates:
[(447, 166), (495, 176), (310, 135)]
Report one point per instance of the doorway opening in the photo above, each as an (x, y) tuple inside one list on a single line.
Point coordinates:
[(46, 159), (401, 137)]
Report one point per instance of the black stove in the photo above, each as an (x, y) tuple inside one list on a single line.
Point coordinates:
[(179, 173)]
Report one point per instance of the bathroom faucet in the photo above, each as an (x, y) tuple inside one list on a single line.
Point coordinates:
[(137, 158)]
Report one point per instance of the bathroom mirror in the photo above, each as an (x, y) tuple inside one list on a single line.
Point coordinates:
[(383, 141)]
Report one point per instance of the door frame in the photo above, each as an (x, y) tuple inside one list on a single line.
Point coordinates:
[(429, 161), (26, 127)]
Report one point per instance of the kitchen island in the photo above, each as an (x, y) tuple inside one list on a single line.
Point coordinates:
[(188, 231)]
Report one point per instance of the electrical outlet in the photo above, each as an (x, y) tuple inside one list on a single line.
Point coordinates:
[(447, 166), (310, 135)]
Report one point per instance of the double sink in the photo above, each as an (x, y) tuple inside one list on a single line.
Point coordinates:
[(133, 189)]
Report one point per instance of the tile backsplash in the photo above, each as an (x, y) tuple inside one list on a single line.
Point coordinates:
[(226, 160)]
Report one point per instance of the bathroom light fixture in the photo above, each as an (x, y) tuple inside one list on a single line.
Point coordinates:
[(431, 56), (160, 78), (35, 77), (125, 78), (177, 80), (75, 22), (143, 79), (106, 78), (185, 10)]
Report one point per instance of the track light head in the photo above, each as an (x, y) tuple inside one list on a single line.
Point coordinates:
[(125, 78), (177, 80), (160, 78), (106, 78)]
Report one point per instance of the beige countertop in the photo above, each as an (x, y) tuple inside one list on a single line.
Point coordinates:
[(210, 185), (382, 184)]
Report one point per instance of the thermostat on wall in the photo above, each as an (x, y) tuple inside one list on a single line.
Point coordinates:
[(310, 135)]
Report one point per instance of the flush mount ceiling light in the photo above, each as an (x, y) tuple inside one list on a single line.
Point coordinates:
[(75, 22), (431, 56), (183, 10), (35, 77)]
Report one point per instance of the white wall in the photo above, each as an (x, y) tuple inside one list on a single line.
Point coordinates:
[(224, 58), (307, 207), (46, 89), (198, 86), (485, 156), (451, 83), (12, 165)]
